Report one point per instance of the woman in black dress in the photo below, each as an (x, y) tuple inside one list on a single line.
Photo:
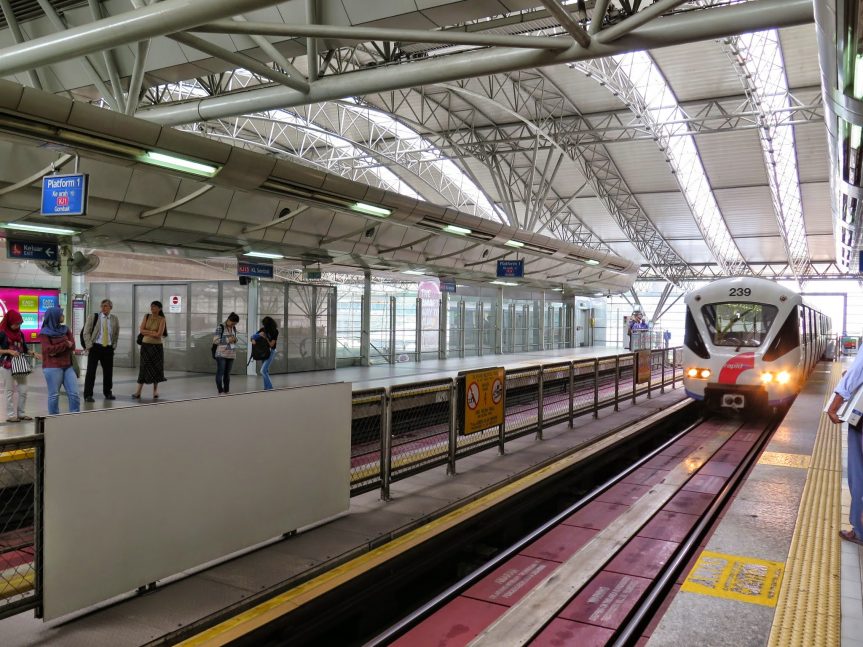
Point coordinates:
[(151, 370)]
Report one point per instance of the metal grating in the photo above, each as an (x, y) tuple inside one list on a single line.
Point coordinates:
[(29, 9)]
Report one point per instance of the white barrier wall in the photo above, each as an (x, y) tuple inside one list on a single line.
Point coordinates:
[(134, 495)]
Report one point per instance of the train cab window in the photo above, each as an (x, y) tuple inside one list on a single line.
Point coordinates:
[(787, 339), (692, 338), (738, 324)]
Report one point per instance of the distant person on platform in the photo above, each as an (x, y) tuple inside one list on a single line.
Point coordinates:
[(101, 332), (151, 332), (848, 385), (269, 331), (636, 322), (666, 338), (13, 344), (58, 345), (225, 338)]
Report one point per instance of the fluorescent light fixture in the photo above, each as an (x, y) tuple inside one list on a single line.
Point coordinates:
[(598, 294), (179, 164), (590, 261), (263, 255), (509, 283), (42, 229), (371, 210), (414, 272), (454, 229), (557, 289), (513, 243)]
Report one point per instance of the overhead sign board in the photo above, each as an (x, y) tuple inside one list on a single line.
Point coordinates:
[(482, 399), (258, 270), (312, 275), (510, 269), (32, 250), (64, 195), (447, 285)]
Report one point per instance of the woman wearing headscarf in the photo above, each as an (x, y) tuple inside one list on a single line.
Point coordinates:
[(58, 345), (151, 369), (13, 344)]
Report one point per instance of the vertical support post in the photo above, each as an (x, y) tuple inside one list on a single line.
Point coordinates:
[(366, 320), (443, 326), (664, 360), (673, 368), (311, 43), (513, 327), (453, 427), (386, 443), (253, 321), (542, 323), (571, 393), (617, 382), (66, 281), (634, 375), (419, 330), (650, 373), (540, 402), (498, 323), (596, 387), (392, 357), (461, 322), (39, 517), (501, 441), (480, 328)]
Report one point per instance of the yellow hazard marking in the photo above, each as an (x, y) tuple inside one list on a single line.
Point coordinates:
[(17, 455), (16, 585), (746, 579), (785, 460)]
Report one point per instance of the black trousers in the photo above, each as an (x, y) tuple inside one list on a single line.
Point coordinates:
[(103, 355)]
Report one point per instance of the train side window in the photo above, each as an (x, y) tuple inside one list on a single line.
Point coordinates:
[(692, 338), (787, 339)]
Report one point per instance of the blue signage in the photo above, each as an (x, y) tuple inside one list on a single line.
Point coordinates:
[(32, 250), (860, 267), (447, 286), (46, 302), (258, 270), (510, 269), (64, 195)]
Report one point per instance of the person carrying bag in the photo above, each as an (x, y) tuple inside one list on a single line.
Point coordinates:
[(225, 339), (14, 365)]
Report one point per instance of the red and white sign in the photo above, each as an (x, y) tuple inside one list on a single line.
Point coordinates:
[(473, 396), (175, 304), (497, 391)]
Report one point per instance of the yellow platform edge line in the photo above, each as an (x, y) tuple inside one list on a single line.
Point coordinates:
[(261, 614), (17, 455), (808, 612)]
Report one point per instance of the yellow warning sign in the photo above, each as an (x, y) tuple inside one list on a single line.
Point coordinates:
[(643, 359), (483, 399), (746, 579)]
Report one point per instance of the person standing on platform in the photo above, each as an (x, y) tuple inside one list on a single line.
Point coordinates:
[(666, 338), (225, 338), (13, 344), (269, 331), (635, 323), (58, 345), (100, 341), (851, 381), (152, 330)]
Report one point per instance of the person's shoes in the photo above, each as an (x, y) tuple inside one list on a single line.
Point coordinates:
[(850, 535), (110, 397), (89, 398), (12, 420), (137, 396), (155, 396), (23, 418)]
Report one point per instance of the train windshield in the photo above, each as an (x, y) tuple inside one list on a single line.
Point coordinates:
[(738, 324)]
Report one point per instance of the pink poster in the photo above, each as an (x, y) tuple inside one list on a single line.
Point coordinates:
[(31, 303)]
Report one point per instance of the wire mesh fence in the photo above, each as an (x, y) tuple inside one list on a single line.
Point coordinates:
[(20, 462), (522, 410), (419, 428), (555, 393), (367, 419)]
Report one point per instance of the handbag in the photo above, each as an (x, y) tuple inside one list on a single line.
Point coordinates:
[(75, 366), (226, 351), (139, 339), (21, 365)]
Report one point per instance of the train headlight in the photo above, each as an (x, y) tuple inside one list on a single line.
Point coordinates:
[(766, 377), (784, 377), (693, 372), (705, 373)]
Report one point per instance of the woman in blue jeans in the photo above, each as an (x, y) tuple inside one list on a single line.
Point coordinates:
[(226, 341), (269, 331), (58, 345)]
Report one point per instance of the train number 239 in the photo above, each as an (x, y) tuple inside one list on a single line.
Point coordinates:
[(740, 292)]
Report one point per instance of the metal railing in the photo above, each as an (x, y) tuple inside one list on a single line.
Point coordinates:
[(402, 430), (21, 463)]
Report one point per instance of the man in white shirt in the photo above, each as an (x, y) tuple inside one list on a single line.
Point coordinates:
[(101, 332), (848, 385)]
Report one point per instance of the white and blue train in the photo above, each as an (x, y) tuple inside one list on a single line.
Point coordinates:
[(749, 344)]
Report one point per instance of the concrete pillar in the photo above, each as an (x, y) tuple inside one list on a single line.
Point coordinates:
[(66, 291), (253, 321), (366, 320)]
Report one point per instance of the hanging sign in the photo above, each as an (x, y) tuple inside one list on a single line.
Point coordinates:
[(312, 275), (510, 269), (259, 270), (31, 250), (447, 285), (64, 195)]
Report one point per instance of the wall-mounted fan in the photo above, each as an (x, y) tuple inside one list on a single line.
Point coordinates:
[(81, 264)]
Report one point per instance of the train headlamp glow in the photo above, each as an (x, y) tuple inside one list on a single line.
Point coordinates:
[(698, 373), (766, 377), (705, 373), (784, 377), (693, 372)]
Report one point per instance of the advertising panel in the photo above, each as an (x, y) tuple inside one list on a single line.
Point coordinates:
[(31, 303)]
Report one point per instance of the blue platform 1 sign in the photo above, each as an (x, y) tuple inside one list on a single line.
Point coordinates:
[(64, 195), (257, 270), (510, 269), (31, 250), (447, 286)]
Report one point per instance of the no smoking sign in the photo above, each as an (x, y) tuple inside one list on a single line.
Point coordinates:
[(482, 400)]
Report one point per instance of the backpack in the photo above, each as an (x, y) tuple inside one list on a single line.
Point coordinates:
[(92, 328), (260, 347), (221, 332)]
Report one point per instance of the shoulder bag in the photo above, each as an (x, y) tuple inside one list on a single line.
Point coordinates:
[(21, 365)]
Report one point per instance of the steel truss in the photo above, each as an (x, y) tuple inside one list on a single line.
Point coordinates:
[(813, 271)]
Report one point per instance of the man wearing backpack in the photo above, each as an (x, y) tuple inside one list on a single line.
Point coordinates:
[(100, 335)]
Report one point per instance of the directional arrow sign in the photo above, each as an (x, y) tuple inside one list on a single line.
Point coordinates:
[(31, 250)]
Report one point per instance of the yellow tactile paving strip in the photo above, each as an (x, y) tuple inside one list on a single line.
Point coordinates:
[(808, 612)]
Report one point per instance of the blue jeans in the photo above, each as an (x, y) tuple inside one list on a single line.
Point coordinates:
[(223, 374), (855, 480), (265, 371), (55, 377)]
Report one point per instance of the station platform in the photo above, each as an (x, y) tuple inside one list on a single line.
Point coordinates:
[(417, 502), (187, 385)]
